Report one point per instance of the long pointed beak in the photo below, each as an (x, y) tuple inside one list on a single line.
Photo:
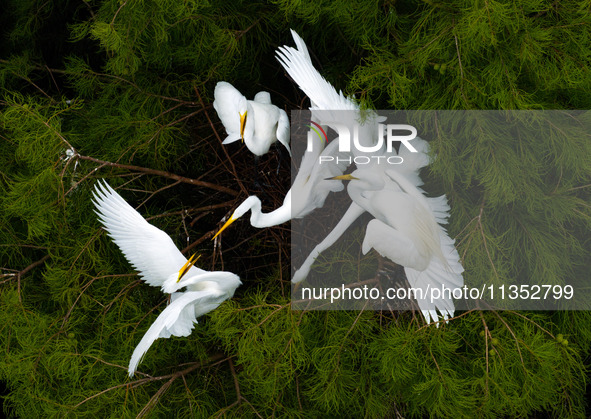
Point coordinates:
[(344, 177), (187, 266), (230, 221), (242, 124)]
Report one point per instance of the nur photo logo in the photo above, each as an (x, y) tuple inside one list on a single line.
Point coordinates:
[(364, 143)]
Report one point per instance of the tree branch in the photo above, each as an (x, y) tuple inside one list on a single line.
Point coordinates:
[(20, 274), (161, 173)]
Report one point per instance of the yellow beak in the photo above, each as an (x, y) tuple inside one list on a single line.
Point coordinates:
[(230, 221), (344, 177), (187, 266), (242, 124)]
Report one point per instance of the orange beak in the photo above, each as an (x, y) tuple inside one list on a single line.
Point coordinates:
[(344, 177), (230, 221), (187, 266), (242, 124)]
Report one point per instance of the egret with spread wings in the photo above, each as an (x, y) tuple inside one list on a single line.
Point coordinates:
[(406, 228), (159, 262)]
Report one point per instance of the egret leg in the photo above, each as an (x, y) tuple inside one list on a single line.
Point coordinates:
[(280, 157), (352, 213), (256, 173), (256, 168)]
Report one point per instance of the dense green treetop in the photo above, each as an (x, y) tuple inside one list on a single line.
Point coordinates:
[(122, 90)]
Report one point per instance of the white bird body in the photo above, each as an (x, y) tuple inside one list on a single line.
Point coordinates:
[(374, 192), (405, 228), (274, 126), (404, 217), (397, 203), (159, 262), (258, 121)]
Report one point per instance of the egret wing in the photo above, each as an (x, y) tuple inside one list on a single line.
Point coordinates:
[(439, 276), (442, 275), (177, 319), (342, 160), (283, 133), (233, 137), (147, 248), (298, 65), (226, 100), (319, 179), (413, 162), (323, 95)]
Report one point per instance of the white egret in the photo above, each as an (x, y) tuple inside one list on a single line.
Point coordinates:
[(257, 122), (311, 186), (159, 262), (413, 162), (405, 228)]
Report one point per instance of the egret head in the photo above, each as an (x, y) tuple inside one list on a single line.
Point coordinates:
[(365, 179), (250, 202), (263, 97)]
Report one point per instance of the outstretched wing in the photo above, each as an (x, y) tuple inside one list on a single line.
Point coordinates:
[(443, 276), (177, 319), (298, 65), (323, 95), (149, 250), (437, 275)]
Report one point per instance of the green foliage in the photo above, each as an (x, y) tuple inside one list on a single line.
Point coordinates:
[(123, 91)]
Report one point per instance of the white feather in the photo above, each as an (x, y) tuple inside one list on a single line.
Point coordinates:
[(147, 248), (179, 318), (152, 252), (298, 65), (265, 123), (227, 102)]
